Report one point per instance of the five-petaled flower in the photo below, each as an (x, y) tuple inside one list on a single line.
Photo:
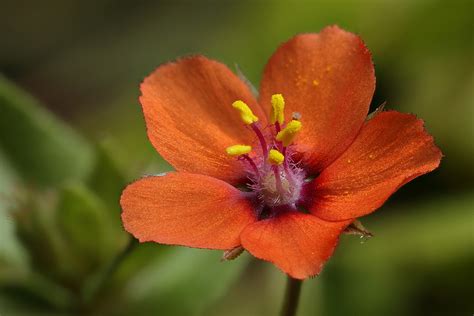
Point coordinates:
[(281, 176)]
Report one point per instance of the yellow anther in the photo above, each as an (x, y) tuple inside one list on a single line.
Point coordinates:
[(246, 113), (275, 157), (238, 150), (287, 134), (278, 107)]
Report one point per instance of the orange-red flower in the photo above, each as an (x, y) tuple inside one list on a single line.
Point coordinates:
[(297, 181)]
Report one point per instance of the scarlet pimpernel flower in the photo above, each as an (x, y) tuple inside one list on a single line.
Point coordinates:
[(281, 174)]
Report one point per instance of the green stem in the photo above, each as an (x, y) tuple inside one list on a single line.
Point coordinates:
[(292, 295)]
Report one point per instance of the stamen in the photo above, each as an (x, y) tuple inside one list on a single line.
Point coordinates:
[(275, 157), (288, 173), (238, 150), (261, 139), (252, 164), (242, 152), (273, 177), (287, 135), (246, 113), (277, 127), (286, 168), (278, 183), (278, 106)]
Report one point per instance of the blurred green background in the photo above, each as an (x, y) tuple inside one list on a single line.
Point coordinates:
[(72, 135)]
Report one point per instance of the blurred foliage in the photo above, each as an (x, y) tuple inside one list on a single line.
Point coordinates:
[(40, 147), (65, 160)]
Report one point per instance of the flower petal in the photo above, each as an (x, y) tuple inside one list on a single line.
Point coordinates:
[(329, 79), (189, 116), (391, 150), (186, 209), (297, 243)]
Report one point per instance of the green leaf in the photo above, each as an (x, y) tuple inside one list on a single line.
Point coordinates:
[(107, 181), (12, 254), (182, 282), (70, 239), (87, 231), (34, 293), (37, 230), (41, 148), (13, 258)]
